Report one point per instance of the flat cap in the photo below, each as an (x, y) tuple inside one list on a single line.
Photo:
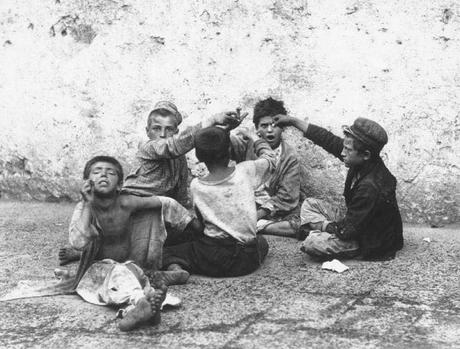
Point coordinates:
[(170, 107), (369, 132)]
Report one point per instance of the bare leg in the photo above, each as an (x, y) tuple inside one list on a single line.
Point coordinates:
[(68, 254), (282, 228), (147, 310)]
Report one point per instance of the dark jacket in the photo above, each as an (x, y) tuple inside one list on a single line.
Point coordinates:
[(372, 217)]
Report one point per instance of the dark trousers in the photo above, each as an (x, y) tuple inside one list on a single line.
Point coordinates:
[(217, 257)]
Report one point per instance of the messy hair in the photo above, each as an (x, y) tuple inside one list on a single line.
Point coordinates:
[(212, 145), (104, 158), (267, 107)]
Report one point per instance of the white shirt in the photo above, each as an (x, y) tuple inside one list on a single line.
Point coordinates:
[(228, 206)]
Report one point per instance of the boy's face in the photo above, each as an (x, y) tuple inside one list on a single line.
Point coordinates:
[(105, 178), (161, 126), (351, 157), (269, 132)]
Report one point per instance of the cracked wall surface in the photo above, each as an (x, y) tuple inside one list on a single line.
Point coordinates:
[(78, 78)]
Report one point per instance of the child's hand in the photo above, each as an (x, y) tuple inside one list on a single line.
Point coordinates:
[(229, 120), (283, 120), (87, 191)]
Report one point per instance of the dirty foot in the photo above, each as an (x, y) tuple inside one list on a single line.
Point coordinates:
[(147, 310), (168, 277), (68, 254)]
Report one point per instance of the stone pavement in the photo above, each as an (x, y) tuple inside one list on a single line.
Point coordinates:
[(410, 302)]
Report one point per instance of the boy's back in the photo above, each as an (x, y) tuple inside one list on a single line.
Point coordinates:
[(228, 206)]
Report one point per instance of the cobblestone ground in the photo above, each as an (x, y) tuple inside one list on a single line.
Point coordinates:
[(410, 302)]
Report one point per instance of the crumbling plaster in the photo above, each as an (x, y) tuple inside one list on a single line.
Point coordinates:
[(78, 78)]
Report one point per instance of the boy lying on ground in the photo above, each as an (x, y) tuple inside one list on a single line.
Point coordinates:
[(161, 167), (225, 203), (372, 226)]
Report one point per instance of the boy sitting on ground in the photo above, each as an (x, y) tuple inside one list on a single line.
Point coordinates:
[(101, 227), (278, 198), (161, 167), (225, 203), (372, 226)]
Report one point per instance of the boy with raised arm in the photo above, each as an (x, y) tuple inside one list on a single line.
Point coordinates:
[(161, 167), (225, 203), (112, 264), (372, 226), (278, 198)]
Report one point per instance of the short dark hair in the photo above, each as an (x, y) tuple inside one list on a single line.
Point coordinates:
[(104, 158), (267, 107), (161, 112), (212, 145)]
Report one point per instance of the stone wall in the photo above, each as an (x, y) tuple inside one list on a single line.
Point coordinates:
[(78, 78)]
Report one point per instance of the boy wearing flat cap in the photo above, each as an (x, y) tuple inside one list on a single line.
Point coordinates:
[(372, 227)]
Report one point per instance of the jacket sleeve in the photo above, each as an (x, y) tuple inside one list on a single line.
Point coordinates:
[(359, 213), (287, 195), (171, 147), (325, 139)]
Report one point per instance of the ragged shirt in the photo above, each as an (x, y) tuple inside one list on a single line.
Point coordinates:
[(161, 167), (280, 195), (227, 207)]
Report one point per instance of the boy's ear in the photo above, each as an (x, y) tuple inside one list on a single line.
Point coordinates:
[(367, 155)]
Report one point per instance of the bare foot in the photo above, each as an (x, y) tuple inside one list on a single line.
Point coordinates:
[(174, 277), (147, 310), (68, 254)]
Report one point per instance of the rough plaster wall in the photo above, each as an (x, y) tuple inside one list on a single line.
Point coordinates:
[(78, 78)]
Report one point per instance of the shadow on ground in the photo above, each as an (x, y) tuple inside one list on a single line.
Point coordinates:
[(410, 302)]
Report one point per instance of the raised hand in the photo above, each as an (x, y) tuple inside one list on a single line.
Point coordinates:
[(230, 119), (285, 120), (87, 191)]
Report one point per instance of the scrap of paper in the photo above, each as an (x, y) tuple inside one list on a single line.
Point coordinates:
[(335, 265)]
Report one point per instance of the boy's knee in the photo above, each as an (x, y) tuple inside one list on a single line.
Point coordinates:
[(309, 203), (312, 245)]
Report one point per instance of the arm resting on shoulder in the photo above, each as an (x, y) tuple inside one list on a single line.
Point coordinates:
[(134, 203)]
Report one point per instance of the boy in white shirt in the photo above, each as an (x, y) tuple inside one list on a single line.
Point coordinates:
[(224, 200)]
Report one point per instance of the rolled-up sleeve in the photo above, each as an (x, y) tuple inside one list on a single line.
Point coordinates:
[(171, 147)]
